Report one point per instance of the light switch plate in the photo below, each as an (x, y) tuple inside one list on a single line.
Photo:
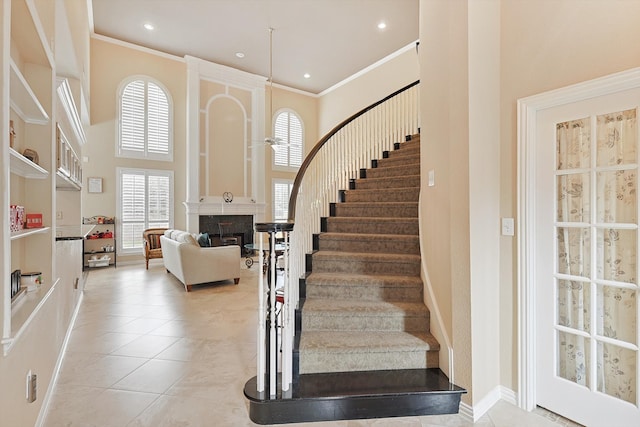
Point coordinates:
[(508, 227)]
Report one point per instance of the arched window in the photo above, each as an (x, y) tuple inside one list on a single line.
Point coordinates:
[(145, 120), (288, 128)]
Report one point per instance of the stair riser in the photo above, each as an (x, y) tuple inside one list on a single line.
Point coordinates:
[(383, 195), (346, 322), (362, 225), (393, 171), (366, 246), (364, 293), (360, 266), (398, 210), (398, 182), (311, 362)]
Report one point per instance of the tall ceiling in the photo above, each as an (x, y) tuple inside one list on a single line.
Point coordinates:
[(329, 39)]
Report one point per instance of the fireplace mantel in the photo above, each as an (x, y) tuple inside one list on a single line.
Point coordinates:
[(215, 206)]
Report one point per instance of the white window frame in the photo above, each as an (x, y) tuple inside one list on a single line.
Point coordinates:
[(288, 167), (120, 152), (274, 183), (146, 172)]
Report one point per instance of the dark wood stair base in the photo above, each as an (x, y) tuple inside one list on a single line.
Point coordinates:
[(357, 395)]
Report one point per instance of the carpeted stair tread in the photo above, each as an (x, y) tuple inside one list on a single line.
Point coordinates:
[(396, 161), (372, 224), (394, 171), (377, 209), (358, 242), (399, 194), (377, 257), (364, 287), (357, 308), (391, 182), (338, 279), (371, 342), (362, 262), (358, 315)]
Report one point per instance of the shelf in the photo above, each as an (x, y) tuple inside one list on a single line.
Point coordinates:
[(99, 252), (63, 182), (23, 100), (24, 311), (24, 167), (28, 232)]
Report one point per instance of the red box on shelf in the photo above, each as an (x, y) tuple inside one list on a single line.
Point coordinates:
[(34, 220)]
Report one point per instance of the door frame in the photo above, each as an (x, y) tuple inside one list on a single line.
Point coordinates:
[(527, 111)]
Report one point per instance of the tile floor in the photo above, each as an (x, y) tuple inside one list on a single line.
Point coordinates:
[(143, 352)]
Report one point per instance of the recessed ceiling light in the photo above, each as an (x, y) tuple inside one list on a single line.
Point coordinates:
[(149, 26), (240, 54), (307, 75), (382, 26)]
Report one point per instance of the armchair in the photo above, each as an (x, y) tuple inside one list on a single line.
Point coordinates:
[(152, 247)]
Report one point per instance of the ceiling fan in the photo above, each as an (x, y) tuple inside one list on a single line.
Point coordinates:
[(274, 142)]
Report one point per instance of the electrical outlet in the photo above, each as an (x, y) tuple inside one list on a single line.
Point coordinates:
[(32, 387), (59, 215)]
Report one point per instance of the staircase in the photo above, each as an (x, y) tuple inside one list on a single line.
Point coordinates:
[(364, 309), (364, 349)]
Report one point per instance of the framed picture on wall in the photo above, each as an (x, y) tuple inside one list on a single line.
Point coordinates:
[(95, 184)]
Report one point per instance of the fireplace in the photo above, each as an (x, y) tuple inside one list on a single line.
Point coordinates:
[(240, 226)]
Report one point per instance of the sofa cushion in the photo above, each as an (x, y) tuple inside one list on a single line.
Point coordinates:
[(203, 240), (181, 237)]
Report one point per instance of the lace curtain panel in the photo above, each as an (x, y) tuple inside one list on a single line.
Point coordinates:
[(597, 244)]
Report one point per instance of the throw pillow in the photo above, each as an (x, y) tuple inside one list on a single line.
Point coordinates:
[(203, 240)]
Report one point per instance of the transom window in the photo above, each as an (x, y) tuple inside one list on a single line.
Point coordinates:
[(288, 128), (145, 120)]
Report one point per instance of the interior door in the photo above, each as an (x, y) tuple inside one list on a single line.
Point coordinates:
[(587, 249)]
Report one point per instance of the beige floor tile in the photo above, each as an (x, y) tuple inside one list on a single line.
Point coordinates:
[(97, 370), (155, 376), (141, 325), (113, 408), (145, 346), (103, 343), (188, 411), (69, 403), (503, 414)]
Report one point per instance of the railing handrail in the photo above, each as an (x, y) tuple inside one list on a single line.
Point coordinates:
[(307, 161)]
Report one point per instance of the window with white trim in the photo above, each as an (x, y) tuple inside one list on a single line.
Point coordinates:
[(288, 128), (145, 114), (281, 192), (145, 200)]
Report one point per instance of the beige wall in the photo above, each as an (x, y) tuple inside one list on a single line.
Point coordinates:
[(111, 64), (548, 44), (445, 140), (362, 91), (531, 46)]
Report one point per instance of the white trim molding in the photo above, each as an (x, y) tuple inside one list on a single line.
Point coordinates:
[(528, 109)]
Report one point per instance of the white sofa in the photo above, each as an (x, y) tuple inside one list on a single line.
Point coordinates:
[(191, 264)]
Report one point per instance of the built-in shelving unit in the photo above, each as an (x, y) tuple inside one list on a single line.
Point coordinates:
[(29, 105)]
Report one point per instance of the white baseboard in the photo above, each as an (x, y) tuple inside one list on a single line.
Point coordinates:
[(477, 411)]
